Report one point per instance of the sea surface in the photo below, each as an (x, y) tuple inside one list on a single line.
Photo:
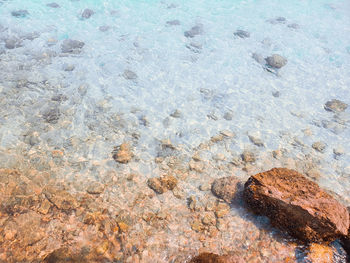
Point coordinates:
[(167, 77)]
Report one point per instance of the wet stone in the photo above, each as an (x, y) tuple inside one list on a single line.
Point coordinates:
[(162, 184), (276, 94), (20, 13), (53, 5), (12, 42), (297, 205), (242, 34), (87, 13), (72, 46), (173, 22), (276, 61), (335, 105), (130, 75), (294, 26), (338, 151), (59, 98), (68, 67), (228, 116), (277, 20), (225, 188), (194, 31), (256, 141), (61, 199), (95, 188), (52, 115), (209, 218), (319, 146), (248, 156), (176, 114), (123, 154)]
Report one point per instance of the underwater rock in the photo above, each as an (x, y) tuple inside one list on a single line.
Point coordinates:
[(60, 198), (225, 188), (87, 13), (68, 67), (276, 61), (72, 46), (95, 188), (194, 31), (319, 146), (248, 156), (12, 42), (53, 5), (256, 140), (20, 13), (335, 105), (277, 20), (297, 205), (124, 154), (173, 22), (52, 115), (214, 258), (162, 184), (294, 26), (128, 74), (242, 34)]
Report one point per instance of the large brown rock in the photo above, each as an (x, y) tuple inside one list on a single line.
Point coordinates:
[(297, 205)]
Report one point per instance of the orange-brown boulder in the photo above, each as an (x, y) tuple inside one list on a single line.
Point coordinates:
[(297, 205)]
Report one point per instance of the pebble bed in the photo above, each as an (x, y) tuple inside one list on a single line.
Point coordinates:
[(101, 96)]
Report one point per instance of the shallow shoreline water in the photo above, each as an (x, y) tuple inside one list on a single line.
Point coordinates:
[(175, 82)]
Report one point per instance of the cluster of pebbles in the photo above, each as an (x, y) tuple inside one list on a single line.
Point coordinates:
[(78, 183)]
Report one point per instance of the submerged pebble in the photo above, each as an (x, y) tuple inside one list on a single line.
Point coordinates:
[(194, 31), (20, 13), (276, 61), (319, 146), (173, 22), (242, 34), (12, 42), (72, 46), (335, 105), (53, 5), (128, 74), (87, 13)]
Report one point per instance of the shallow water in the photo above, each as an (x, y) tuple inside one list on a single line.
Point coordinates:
[(211, 79)]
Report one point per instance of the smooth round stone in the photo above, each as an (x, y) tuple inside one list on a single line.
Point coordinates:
[(276, 61)]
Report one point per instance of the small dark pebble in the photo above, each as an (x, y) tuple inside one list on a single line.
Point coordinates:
[(20, 13), (242, 34), (53, 5)]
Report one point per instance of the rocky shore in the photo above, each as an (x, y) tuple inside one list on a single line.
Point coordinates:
[(41, 221), (205, 134)]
